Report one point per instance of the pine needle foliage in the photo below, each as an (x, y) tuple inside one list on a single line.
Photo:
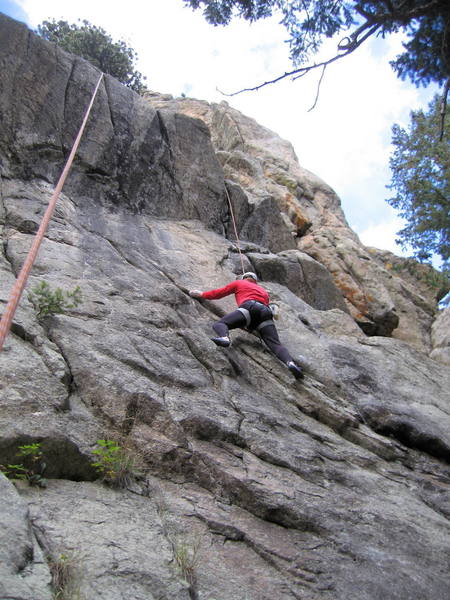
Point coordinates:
[(52, 302), (420, 166)]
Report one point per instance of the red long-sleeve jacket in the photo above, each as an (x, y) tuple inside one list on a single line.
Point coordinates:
[(243, 290)]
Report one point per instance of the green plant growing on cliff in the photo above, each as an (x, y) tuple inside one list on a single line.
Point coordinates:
[(51, 302), (95, 45), (32, 467), (185, 549), (186, 557), (64, 573), (116, 465)]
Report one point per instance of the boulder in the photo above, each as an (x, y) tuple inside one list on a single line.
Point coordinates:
[(303, 275)]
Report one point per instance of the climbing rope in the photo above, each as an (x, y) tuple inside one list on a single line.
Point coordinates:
[(20, 283), (235, 230)]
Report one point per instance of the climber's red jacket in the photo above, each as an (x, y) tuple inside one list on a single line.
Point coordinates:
[(243, 290)]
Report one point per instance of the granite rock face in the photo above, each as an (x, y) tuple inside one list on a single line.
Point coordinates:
[(131, 154), (385, 294), (440, 335), (247, 484)]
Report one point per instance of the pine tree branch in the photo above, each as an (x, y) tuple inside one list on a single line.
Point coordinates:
[(443, 108), (390, 16), (300, 72)]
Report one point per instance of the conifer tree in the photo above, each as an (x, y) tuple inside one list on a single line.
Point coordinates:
[(96, 46), (420, 166)]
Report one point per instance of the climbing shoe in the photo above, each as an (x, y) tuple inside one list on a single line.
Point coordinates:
[(224, 342), (295, 370)]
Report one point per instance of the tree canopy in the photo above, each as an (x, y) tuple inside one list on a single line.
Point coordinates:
[(96, 46), (426, 22), (420, 166)]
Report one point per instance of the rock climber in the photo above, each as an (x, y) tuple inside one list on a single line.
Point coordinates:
[(253, 313)]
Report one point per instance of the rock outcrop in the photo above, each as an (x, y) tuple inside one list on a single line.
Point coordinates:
[(385, 294), (247, 484), (440, 335)]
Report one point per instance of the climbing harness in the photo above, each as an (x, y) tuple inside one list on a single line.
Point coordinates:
[(264, 324), (251, 310), (235, 230), (246, 314), (21, 281)]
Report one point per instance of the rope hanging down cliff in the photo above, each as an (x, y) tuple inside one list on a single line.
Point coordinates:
[(235, 230), (21, 281)]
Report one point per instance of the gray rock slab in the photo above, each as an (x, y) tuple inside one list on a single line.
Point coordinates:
[(116, 540), (24, 572)]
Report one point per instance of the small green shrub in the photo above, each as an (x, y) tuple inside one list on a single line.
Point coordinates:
[(51, 302), (116, 465), (33, 469)]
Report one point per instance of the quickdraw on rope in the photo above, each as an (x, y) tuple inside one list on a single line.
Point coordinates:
[(19, 285), (235, 230)]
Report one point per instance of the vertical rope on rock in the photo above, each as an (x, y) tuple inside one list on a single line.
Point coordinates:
[(20, 283), (235, 230)]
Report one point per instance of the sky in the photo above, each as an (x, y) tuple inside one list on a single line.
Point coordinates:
[(345, 139)]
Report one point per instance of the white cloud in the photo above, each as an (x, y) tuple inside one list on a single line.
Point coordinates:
[(383, 235)]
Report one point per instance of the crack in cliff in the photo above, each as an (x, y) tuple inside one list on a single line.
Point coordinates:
[(165, 135), (319, 409), (19, 329), (120, 252), (240, 493), (142, 369), (307, 578), (109, 103), (185, 552), (196, 354), (66, 97), (115, 246), (5, 218), (224, 438), (33, 339), (227, 217), (227, 114), (41, 539), (307, 571), (114, 126), (6, 234), (68, 380), (240, 413), (168, 166)]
